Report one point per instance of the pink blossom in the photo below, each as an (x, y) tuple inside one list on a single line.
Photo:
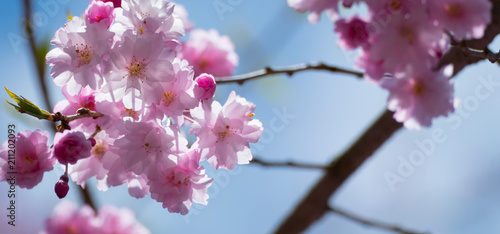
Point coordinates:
[(68, 218), (77, 58), (205, 88), (136, 65), (143, 145), (32, 157), (112, 220), (352, 33), (224, 132), (102, 152), (406, 43), (176, 96), (99, 11), (315, 8), (374, 70), (208, 52), (147, 17), (178, 185), (465, 19), (71, 146), (417, 99)]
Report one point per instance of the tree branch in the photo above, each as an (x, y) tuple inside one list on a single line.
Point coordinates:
[(481, 54), (367, 222), (312, 207), (286, 164), (289, 70)]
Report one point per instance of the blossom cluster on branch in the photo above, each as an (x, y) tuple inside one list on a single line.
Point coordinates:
[(130, 86), (401, 43)]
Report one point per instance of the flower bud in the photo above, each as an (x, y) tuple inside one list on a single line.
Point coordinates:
[(62, 187), (205, 88)]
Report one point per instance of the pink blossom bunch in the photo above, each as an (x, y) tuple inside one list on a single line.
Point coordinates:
[(401, 43), (125, 61), (68, 218)]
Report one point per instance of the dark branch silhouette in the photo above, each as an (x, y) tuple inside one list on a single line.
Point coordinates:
[(286, 164), (289, 70)]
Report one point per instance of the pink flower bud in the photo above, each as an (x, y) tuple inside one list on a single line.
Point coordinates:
[(70, 146), (205, 88), (62, 187)]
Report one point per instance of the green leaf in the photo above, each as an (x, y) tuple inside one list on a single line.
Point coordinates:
[(27, 107)]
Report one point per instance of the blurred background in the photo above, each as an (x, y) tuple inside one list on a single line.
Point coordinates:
[(455, 189)]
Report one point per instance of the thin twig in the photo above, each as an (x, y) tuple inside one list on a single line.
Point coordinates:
[(371, 223), (287, 164), (289, 70), (81, 113)]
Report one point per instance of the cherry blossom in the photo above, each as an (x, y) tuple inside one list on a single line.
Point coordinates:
[(416, 100), (68, 218), (150, 17), (71, 146), (93, 166), (143, 145), (209, 52), (32, 158), (113, 220), (225, 132), (178, 185), (77, 58), (352, 33), (465, 19), (135, 67), (99, 11), (176, 96)]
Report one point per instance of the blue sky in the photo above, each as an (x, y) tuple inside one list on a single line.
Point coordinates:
[(454, 190)]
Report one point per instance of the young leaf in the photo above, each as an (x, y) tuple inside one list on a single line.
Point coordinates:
[(25, 106)]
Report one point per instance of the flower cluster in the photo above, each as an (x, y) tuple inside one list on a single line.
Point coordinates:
[(400, 43), (68, 218), (124, 62)]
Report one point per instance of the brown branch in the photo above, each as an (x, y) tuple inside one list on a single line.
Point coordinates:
[(312, 206), (460, 57), (287, 164), (40, 68), (289, 70), (81, 113), (481, 54), (367, 222)]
